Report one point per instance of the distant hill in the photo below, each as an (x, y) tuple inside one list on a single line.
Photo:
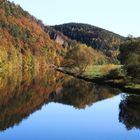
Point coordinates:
[(69, 44), (59, 37), (98, 38)]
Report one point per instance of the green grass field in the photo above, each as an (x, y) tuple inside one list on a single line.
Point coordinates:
[(100, 70), (114, 73)]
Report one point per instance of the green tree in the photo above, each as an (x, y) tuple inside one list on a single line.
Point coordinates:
[(130, 58)]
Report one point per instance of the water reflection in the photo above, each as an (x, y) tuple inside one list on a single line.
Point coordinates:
[(23, 93), (130, 111), (80, 94)]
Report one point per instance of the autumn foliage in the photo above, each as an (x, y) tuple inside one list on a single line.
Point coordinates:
[(23, 42)]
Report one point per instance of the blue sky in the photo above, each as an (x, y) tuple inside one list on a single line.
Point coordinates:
[(120, 16)]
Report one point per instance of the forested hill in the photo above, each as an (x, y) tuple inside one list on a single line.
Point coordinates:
[(23, 42), (106, 41)]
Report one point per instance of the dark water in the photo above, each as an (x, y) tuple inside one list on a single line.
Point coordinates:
[(53, 106)]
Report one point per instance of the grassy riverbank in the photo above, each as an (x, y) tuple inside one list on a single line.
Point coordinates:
[(99, 70), (111, 74)]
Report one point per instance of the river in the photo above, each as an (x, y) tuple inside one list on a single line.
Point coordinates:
[(55, 106)]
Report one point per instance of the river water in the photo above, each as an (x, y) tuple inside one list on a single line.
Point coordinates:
[(54, 106)]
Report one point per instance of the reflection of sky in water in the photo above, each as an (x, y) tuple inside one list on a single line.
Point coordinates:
[(57, 122)]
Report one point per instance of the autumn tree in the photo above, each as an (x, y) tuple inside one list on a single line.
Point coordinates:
[(78, 58), (23, 41)]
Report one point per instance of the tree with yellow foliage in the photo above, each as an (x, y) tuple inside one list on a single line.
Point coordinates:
[(78, 58)]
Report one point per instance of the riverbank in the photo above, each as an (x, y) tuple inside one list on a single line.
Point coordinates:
[(119, 82)]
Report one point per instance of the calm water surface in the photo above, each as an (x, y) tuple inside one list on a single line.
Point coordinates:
[(53, 106)]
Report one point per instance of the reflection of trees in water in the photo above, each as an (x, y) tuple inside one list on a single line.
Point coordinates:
[(20, 95), (79, 93), (130, 111)]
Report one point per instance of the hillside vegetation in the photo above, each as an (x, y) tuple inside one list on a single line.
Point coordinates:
[(27, 45), (23, 42), (130, 58), (101, 39)]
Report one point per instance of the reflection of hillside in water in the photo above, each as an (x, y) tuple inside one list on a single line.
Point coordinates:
[(130, 111), (80, 93), (21, 94)]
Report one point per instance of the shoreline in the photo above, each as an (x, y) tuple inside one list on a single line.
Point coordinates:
[(103, 80)]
